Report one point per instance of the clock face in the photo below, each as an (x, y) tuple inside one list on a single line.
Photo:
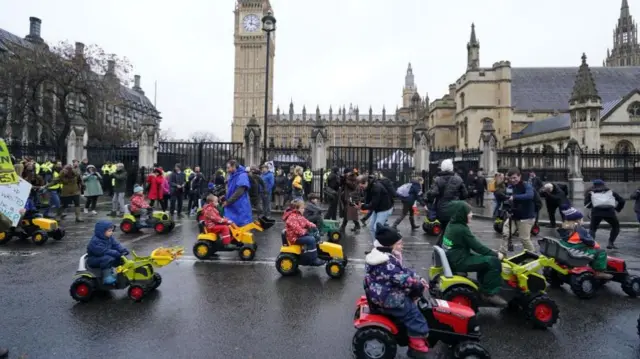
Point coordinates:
[(251, 23)]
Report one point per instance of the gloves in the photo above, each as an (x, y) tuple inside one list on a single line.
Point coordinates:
[(113, 253), (125, 253)]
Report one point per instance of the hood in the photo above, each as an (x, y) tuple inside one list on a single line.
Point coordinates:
[(458, 210), (445, 174), (313, 206), (376, 257), (102, 227), (599, 188), (241, 169), (289, 212)]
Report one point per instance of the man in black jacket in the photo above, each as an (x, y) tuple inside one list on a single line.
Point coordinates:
[(446, 188), (604, 203), (480, 186), (197, 187), (554, 197), (378, 201), (331, 193), (177, 183)]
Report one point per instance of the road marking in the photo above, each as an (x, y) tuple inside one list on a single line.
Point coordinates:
[(17, 254), (145, 236), (359, 263)]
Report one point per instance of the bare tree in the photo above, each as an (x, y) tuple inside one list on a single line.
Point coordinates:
[(167, 135), (203, 136), (55, 87)]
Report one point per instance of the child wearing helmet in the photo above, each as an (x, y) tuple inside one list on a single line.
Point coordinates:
[(393, 287)]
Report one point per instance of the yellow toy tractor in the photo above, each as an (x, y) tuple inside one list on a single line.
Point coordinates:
[(242, 240), (292, 256), (36, 227)]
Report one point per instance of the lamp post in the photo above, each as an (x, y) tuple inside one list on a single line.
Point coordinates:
[(268, 26)]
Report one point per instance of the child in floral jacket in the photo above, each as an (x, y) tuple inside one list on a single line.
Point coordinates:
[(300, 231), (214, 222), (138, 204), (393, 287)]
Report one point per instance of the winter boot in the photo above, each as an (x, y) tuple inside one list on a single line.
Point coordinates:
[(310, 258), (412, 221), (78, 218), (611, 245), (107, 276), (4, 353), (417, 348)]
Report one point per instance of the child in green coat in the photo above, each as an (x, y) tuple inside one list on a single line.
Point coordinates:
[(466, 254)]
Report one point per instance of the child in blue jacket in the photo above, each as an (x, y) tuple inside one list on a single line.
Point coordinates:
[(393, 287), (104, 251)]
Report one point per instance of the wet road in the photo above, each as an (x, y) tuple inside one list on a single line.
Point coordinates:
[(229, 309)]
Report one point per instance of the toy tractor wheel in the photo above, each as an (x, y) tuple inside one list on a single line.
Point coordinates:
[(287, 264), (82, 289), (374, 343), (552, 277), (39, 237), (462, 295), (425, 227), (542, 311), (136, 293), (335, 269), (335, 237), (58, 234), (172, 226), (470, 350), (631, 286), (583, 285), (127, 226), (436, 229), (157, 280), (5, 237), (639, 326), (160, 228), (498, 227), (247, 253), (202, 250), (535, 230)]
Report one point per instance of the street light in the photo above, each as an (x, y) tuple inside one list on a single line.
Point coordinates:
[(268, 26)]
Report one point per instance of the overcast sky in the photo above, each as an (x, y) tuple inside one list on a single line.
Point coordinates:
[(329, 52)]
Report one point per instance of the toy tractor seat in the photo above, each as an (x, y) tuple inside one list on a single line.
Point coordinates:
[(439, 259), (283, 236), (266, 223), (552, 248), (135, 215)]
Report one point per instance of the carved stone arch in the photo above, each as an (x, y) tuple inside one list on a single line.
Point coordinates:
[(624, 146)]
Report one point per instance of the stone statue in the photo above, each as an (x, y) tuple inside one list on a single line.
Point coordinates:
[(574, 162), (319, 140)]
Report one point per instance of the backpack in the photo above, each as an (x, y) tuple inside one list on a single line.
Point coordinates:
[(388, 186), (403, 191), (603, 199), (563, 187)]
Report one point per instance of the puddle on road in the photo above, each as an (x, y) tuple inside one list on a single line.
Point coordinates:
[(17, 254)]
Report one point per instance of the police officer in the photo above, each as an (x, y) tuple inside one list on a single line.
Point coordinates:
[(307, 177)]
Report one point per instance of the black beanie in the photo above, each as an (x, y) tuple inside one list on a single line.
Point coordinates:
[(387, 236)]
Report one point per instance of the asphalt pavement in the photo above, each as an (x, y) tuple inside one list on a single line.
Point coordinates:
[(230, 309)]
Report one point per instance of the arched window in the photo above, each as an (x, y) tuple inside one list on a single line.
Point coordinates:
[(462, 101), (624, 146), (634, 109)]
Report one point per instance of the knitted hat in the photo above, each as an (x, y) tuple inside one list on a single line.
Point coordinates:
[(571, 213), (387, 236), (446, 165), (137, 189), (598, 182)]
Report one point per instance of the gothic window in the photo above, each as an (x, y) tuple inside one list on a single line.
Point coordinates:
[(462, 101), (573, 117), (634, 110), (582, 116), (624, 146), (625, 37)]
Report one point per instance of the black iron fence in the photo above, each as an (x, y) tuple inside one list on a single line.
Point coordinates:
[(463, 161), (548, 164), (208, 155), (393, 163), (99, 155), (39, 153), (611, 165), (287, 157)]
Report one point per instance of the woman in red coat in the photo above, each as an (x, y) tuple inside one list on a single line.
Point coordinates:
[(155, 181)]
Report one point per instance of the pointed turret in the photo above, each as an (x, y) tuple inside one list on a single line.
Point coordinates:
[(624, 9), (625, 51), (409, 82), (473, 50), (584, 88)]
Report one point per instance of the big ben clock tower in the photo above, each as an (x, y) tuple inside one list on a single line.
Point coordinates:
[(250, 61)]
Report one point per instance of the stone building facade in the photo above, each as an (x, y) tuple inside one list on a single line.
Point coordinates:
[(133, 113), (533, 107)]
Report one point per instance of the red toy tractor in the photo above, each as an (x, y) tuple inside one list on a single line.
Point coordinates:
[(580, 276), (378, 336)]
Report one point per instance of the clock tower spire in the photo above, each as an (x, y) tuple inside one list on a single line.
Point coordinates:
[(250, 60)]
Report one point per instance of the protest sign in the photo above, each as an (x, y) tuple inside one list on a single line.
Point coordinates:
[(7, 172), (13, 197)]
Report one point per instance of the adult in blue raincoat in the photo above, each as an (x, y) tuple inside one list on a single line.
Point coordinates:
[(237, 207)]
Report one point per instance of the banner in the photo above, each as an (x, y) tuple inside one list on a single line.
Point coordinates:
[(7, 171), (12, 198)]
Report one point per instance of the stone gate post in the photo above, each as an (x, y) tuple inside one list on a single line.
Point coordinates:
[(147, 150), (318, 145), (252, 135), (574, 166), (77, 140), (488, 146), (421, 151)]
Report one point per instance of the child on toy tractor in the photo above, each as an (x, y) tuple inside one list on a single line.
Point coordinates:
[(139, 205), (312, 210), (458, 243), (299, 231), (576, 237), (104, 251), (389, 285), (215, 222)]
